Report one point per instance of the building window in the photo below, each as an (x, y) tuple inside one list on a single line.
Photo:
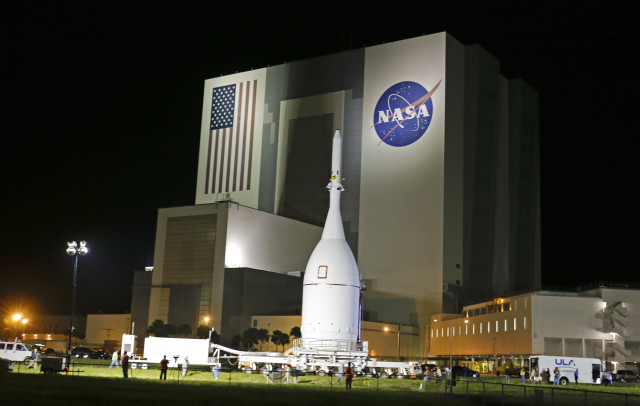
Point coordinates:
[(473, 329), (488, 327), (524, 322), (466, 329), (525, 302), (480, 328), (497, 327), (506, 326), (442, 332), (515, 304), (454, 331), (459, 330), (431, 333), (436, 333), (515, 323), (447, 331)]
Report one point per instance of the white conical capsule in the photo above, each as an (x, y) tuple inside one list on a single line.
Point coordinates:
[(331, 287)]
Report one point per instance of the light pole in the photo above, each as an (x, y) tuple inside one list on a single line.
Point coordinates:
[(74, 250)]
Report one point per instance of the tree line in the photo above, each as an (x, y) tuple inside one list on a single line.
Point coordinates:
[(248, 339)]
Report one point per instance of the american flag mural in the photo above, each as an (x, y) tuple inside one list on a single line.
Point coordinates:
[(231, 135)]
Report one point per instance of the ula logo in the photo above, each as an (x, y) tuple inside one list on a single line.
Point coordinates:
[(563, 362), (403, 113)]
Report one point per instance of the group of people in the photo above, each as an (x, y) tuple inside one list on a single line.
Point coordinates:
[(124, 362), (437, 375), (345, 372)]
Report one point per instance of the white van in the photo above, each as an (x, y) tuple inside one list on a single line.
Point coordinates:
[(589, 369), (14, 351)]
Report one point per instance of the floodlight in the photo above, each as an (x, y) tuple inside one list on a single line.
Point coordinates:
[(83, 248), (71, 250)]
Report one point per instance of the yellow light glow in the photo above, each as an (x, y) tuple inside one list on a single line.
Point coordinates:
[(386, 329), (25, 321), (17, 317), (206, 319), (35, 335), (466, 321), (435, 319)]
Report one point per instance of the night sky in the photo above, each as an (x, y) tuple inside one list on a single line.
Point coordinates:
[(102, 105)]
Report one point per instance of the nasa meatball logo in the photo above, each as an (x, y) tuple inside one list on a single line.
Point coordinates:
[(403, 113)]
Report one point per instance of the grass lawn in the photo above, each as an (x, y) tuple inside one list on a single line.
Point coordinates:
[(99, 385)]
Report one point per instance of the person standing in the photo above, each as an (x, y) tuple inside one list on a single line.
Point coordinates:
[(556, 376), (185, 366), (348, 375), (426, 375), (575, 375), (507, 374), (164, 365), (294, 374), (125, 365), (114, 359), (522, 375), (34, 357), (340, 373)]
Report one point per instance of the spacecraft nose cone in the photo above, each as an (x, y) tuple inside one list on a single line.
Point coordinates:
[(332, 262)]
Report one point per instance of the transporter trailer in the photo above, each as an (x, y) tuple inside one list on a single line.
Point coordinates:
[(318, 360)]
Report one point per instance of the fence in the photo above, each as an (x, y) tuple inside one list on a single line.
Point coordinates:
[(508, 393)]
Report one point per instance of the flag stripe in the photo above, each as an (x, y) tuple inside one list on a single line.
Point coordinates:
[(215, 163), (224, 137), (235, 158), (244, 137), (253, 115), (206, 181)]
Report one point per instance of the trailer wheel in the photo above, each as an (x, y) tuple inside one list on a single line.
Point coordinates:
[(134, 366), (564, 380), (247, 370), (321, 372), (383, 375), (144, 366)]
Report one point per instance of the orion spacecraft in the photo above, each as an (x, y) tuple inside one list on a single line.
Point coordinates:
[(331, 286)]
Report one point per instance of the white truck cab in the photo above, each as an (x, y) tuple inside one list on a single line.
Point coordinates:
[(14, 351)]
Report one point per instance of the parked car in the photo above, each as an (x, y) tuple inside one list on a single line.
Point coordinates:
[(464, 371), (49, 351), (100, 354), (625, 375), (81, 352)]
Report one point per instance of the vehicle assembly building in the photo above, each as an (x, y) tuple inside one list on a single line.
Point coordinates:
[(440, 156)]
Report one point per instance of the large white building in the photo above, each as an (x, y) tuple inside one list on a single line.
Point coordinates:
[(602, 322), (440, 156)]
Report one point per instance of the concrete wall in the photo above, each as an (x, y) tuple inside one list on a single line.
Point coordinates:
[(103, 328), (240, 237)]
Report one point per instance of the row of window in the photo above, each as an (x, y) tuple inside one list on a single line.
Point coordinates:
[(498, 305), (472, 328)]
